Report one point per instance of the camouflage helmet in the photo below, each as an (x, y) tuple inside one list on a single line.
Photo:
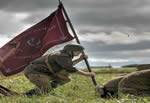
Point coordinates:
[(73, 47)]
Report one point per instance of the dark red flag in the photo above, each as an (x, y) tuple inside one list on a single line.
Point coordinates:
[(33, 43)]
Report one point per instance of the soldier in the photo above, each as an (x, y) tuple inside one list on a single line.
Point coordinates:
[(54, 69), (135, 83), (110, 89)]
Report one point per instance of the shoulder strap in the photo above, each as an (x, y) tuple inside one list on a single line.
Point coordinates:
[(47, 63)]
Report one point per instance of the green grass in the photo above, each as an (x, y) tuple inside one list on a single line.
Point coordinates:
[(79, 90), (113, 70)]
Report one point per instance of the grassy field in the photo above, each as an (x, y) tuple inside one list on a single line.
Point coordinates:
[(79, 90)]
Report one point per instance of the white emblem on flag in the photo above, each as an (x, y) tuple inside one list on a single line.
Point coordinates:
[(34, 42)]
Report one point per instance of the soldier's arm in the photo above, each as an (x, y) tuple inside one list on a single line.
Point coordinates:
[(79, 59), (86, 73)]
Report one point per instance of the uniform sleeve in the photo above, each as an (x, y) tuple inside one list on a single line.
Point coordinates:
[(66, 63)]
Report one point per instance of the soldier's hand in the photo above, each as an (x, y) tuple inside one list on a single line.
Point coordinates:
[(91, 74), (84, 57)]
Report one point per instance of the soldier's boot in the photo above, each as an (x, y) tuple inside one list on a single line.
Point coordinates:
[(55, 84), (32, 92)]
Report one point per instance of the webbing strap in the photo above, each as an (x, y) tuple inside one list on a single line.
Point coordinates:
[(49, 66)]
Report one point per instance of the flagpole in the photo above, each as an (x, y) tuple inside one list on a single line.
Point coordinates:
[(77, 39)]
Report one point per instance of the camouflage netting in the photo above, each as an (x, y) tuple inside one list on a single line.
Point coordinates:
[(143, 67), (136, 83)]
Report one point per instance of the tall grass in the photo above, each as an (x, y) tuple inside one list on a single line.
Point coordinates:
[(79, 90)]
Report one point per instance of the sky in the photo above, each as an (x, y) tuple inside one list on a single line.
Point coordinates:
[(113, 32)]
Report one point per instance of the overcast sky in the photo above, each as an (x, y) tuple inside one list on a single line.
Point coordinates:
[(115, 32)]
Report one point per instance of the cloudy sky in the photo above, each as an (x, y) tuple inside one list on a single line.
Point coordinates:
[(115, 32)]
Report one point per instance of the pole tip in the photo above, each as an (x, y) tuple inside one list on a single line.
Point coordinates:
[(60, 3)]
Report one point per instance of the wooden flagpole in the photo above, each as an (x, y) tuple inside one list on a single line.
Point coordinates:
[(77, 39)]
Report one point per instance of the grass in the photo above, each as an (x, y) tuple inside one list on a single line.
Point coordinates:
[(79, 90)]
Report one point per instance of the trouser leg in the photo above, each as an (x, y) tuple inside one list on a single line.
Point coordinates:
[(61, 78), (42, 81), (56, 83), (34, 91)]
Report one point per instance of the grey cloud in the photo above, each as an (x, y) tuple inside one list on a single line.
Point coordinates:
[(115, 19), (27, 5), (89, 16), (138, 46), (120, 54), (132, 57), (8, 25), (108, 13), (35, 18), (116, 14), (102, 47), (107, 3)]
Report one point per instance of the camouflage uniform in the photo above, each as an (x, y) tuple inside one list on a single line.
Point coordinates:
[(110, 89), (51, 70), (135, 83)]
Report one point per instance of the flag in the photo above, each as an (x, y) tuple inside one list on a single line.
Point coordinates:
[(33, 43)]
